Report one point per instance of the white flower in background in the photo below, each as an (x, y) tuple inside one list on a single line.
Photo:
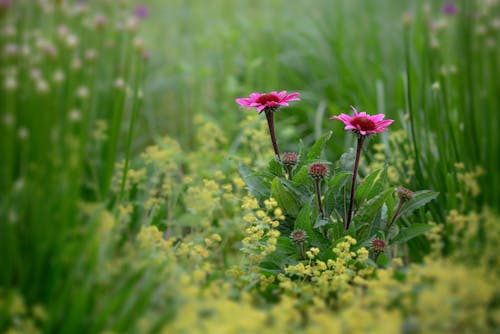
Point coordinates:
[(62, 31), (58, 76), (10, 83), (119, 83), (23, 133), (74, 115), (91, 54), (436, 86), (11, 50), (71, 41), (35, 74), (42, 86), (76, 64), (9, 31), (82, 92)]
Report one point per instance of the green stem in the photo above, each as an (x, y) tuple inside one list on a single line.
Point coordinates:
[(135, 108)]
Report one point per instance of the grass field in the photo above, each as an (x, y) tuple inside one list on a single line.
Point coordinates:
[(137, 195)]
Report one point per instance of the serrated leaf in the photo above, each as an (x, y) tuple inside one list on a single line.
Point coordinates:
[(286, 199), (316, 150), (411, 232), (419, 200)]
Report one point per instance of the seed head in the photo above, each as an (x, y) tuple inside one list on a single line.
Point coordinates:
[(298, 236), (318, 170)]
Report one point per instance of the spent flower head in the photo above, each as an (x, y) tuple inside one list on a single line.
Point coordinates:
[(363, 123), (267, 101)]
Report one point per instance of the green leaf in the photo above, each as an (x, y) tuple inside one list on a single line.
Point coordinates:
[(382, 260), (257, 183), (303, 221), (419, 200), (321, 222), (301, 177), (286, 199), (411, 232), (285, 246), (372, 185), (316, 151), (275, 168), (335, 196), (371, 207)]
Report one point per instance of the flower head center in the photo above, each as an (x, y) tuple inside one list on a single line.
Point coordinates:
[(364, 123), (266, 98)]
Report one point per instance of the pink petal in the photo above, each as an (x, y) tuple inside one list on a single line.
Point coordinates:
[(385, 123), (355, 111), (377, 118)]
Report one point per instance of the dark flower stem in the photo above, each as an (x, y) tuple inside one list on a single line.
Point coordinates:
[(270, 123), (361, 139), (317, 184)]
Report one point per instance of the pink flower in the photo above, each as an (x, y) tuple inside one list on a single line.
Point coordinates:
[(364, 124), (270, 101)]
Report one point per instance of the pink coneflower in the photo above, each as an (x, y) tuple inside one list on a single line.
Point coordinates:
[(269, 103), (364, 124), (449, 8)]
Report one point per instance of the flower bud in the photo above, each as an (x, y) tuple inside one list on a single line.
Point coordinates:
[(318, 170), (289, 159), (404, 194), (378, 245)]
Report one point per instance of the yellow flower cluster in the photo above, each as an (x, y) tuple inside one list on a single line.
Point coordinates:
[(321, 279)]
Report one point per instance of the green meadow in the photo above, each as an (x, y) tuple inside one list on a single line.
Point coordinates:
[(141, 192)]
